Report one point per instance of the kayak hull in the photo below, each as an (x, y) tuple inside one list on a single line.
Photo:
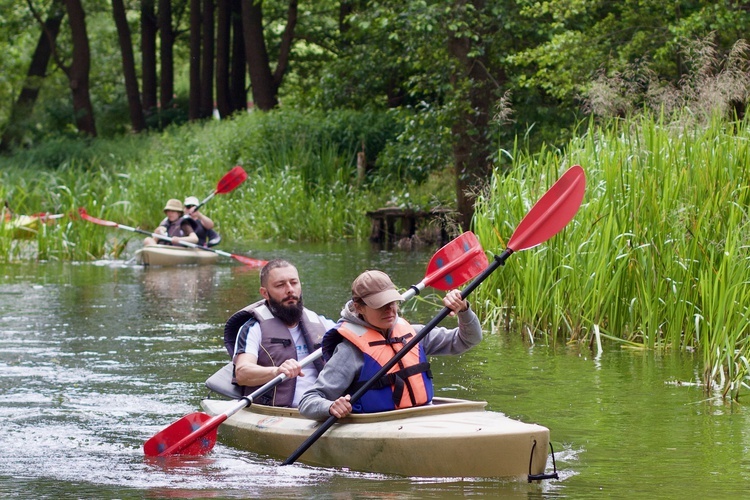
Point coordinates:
[(167, 255), (450, 438)]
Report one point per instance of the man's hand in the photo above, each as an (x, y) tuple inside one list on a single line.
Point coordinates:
[(291, 368)]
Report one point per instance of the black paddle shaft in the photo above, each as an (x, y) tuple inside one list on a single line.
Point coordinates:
[(499, 261)]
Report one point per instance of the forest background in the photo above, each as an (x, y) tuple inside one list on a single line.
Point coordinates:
[(474, 105)]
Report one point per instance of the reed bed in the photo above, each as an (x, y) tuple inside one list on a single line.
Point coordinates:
[(302, 182), (657, 256)]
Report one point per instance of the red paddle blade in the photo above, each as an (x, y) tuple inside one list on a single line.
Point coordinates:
[(231, 180), (552, 212), (85, 216), (456, 263), (249, 261), (178, 430)]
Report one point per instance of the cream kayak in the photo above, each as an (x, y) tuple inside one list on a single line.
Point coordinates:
[(168, 255), (449, 438), (27, 226)]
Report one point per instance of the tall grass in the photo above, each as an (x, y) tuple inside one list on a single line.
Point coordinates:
[(657, 256), (302, 182)]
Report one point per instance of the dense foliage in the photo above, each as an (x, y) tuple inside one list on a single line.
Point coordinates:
[(543, 64), (449, 102)]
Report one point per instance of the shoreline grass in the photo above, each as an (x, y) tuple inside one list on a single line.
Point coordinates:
[(657, 256), (302, 182)]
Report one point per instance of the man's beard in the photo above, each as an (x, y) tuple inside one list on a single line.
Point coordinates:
[(289, 315)]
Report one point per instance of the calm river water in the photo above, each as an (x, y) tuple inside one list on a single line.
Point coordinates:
[(95, 358)]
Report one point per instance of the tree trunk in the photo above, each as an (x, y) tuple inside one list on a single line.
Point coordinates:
[(148, 55), (223, 39), (346, 8), (261, 79), (207, 64), (285, 49), (237, 89), (166, 38), (79, 69), (471, 143), (195, 60), (128, 66), (23, 107)]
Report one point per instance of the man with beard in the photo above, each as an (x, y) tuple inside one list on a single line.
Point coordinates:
[(269, 337)]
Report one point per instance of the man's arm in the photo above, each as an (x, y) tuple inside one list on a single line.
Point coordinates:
[(249, 373), (187, 229), (204, 219)]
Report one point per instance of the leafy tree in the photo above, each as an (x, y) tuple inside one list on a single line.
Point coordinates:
[(78, 71), (640, 38), (148, 55), (265, 82), (444, 57), (24, 105), (128, 66)]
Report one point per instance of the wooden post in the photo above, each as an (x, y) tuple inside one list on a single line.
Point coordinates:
[(361, 167)]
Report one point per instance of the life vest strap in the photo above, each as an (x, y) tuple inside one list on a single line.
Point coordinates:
[(397, 380), (392, 340)]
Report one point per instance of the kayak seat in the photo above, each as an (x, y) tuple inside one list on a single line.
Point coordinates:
[(221, 383)]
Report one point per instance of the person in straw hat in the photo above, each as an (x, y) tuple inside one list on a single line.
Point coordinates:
[(367, 336), (204, 226), (175, 226)]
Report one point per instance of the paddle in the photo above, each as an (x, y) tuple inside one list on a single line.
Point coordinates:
[(453, 265), (546, 218), (228, 183), (195, 434), (45, 216), (240, 258)]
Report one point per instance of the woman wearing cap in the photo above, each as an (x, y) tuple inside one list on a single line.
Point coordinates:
[(175, 226), (367, 336), (204, 226)]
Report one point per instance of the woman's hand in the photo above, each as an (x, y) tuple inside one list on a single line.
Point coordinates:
[(341, 407), (454, 302)]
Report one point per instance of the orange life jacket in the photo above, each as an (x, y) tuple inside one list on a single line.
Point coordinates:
[(408, 383)]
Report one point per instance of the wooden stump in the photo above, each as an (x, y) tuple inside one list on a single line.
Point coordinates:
[(390, 225)]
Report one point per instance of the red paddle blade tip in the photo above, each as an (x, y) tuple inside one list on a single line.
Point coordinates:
[(185, 426), (231, 180), (85, 216), (456, 263), (249, 261), (552, 212)]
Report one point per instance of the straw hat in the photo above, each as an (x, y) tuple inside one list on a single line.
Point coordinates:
[(173, 204), (191, 200), (375, 289)]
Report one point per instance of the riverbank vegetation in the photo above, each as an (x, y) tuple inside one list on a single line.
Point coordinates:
[(473, 107), (303, 181), (656, 258)]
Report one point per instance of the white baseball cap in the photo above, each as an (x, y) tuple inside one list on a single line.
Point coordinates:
[(191, 201)]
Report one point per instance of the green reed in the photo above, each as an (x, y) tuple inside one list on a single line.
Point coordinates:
[(656, 258), (302, 183)]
